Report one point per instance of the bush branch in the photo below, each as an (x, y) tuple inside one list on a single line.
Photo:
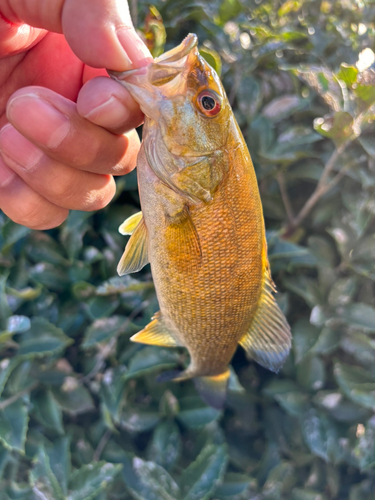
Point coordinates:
[(324, 185)]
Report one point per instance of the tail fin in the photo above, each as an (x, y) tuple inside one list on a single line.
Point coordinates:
[(212, 390)]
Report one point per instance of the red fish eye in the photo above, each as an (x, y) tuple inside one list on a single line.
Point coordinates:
[(209, 103)]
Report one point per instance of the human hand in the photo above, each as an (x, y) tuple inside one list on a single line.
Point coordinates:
[(60, 141)]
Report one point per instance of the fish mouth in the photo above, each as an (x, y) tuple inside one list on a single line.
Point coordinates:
[(161, 78), (164, 66)]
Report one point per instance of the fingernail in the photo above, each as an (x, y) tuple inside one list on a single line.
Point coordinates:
[(38, 120), (134, 47), (111, 113), (18, 148), (6, 174)]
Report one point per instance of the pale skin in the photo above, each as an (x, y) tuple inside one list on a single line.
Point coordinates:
[(66, 129)]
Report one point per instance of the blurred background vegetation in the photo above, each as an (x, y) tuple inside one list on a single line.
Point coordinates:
[(81, 416)]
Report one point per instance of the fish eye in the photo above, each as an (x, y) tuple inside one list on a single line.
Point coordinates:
[(209, 103)]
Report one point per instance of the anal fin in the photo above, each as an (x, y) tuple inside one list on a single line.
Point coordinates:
[(155, 333), (268, 340), (135, 256), (130, 224)]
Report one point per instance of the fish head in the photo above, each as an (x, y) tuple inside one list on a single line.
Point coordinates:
[(183, 96)]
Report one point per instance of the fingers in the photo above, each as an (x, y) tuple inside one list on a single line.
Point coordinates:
[(34, 211), (53, 124), (100, 32), (108, 104), (60, 184)]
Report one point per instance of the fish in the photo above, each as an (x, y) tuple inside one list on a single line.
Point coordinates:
[(201, 227)]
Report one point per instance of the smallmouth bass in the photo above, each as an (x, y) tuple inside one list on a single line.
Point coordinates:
[(201, 226)]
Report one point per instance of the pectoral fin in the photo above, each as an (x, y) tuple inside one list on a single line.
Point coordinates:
[(155, 333), (129, 225), (135, 256), (183, 242), (269, 339)]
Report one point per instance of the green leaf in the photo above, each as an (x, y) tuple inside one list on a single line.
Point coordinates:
[(4, 457), (103, 329), (47, 411), (288, 7), (307, 494), (101, 307), (340, 408), (347, 74), (112, 390), (364, 450), (150, 360), (18, 324), (88, 481), (59, 461), (321, 436), (311, 374), (212, 57), (294, 403), (282, 107), (165, 446), (50, 276), (337, 126), (13, 425), (12, 233), (234, 487), (138, 420), (229, 9), (304, 336), (281, 479), (42, 338), (327, 341), (6, 368), (357, 384), (43, 480), (286, 255), (203, 475), (5, 311), (360, 316), (361, 346), (364, 88), (194, 413), (73, 398), (149, 481)]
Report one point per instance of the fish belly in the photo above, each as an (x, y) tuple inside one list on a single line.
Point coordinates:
[(208, 300)]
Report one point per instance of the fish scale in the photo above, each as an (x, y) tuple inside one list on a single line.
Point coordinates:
[(201, 226)]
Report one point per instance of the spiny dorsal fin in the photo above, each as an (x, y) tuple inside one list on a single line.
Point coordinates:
[(269, 339), (129, 225), (155, 333), (135, 256)]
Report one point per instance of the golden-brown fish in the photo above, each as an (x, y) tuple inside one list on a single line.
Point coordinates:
[(201, 226)]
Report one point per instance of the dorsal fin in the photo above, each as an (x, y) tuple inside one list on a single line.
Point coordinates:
[(268, 340), (129, 225), (155, 333), (135, 256)]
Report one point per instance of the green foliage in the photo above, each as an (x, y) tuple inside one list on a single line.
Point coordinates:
[(81, 414)]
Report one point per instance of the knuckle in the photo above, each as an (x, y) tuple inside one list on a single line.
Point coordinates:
[(37, 217)]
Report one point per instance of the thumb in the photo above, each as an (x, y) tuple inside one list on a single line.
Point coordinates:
[(100, 32)]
